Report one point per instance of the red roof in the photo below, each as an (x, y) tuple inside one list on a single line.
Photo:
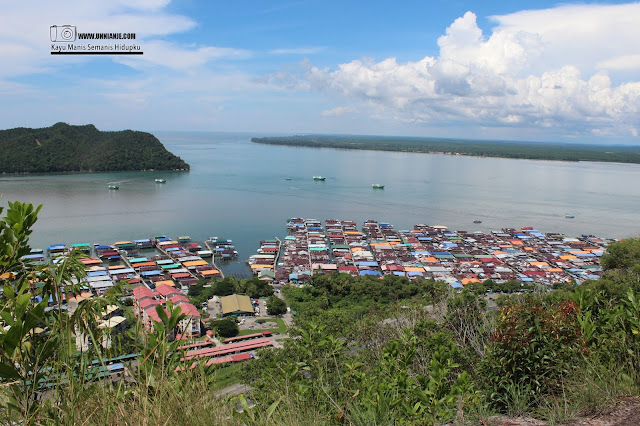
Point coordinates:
[(142, 291), (166, 290), (144, 304), (347, 268), (178, 298), (189, 310), (180, 275)]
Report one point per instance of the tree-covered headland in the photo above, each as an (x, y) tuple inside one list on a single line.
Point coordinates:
[(501, 149), (66, 148)]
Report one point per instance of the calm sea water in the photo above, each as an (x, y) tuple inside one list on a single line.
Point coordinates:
[(238, 190)]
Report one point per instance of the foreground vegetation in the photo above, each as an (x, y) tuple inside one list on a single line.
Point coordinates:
[(502, 149), (364, 351), (65, 148)]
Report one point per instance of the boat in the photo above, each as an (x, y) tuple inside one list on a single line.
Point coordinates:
[(161, 181), (320, 178), (114, 187), (569, 216), (477, 221), (377, 186), (287, 178)]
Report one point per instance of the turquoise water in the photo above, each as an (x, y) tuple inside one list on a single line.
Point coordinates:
[(239, 190)]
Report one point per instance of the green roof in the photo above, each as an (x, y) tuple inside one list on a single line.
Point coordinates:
[(171, 266)]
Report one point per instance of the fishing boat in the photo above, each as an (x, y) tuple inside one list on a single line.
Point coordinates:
[(377, 186), (319, 178), (161, 181), (114, 187), (568, 216)]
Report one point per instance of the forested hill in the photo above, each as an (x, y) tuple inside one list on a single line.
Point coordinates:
[(502, 149), (66, 148)]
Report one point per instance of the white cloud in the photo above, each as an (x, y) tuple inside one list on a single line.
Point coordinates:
[(623, 62), (338, 111), (179, 57), (545, 68), (297, 51)]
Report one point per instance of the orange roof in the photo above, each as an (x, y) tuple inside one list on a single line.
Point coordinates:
[(539, 264), (430, 259), (516, 242), (195, 263), (122, 242), (567, 257), (116, 267), (498, 252), (141, 264), (259, 266), (466, 281), (554, 270), (166, 282), (529, 249), (414, 269), (209, 272)]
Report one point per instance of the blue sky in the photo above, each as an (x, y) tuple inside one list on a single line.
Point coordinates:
[(462, 69)]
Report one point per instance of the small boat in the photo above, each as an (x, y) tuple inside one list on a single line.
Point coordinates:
[(114, 187), (377, 186), (320, 178), (568, 216), (161, 181), (477, 221), (287, 178)]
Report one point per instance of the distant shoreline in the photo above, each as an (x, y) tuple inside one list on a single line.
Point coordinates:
[(486, 149)]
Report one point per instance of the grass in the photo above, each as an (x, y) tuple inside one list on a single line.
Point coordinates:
[(227, 375), (282, 327)]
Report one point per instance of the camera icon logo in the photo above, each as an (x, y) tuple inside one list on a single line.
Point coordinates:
[(62, 33)]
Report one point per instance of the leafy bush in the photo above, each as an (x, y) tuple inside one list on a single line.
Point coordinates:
[(226, 327), (533, 350)]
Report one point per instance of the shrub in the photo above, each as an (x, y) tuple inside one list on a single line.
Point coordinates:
[(533, 348)]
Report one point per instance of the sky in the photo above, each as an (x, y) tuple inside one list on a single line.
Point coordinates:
[(525, 70)]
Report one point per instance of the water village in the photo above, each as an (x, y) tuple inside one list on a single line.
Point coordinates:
[(160, 270)]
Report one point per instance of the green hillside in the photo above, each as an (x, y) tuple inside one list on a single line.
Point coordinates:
[(66, 148)]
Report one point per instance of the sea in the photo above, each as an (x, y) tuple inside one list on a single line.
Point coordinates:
[(246, 192)]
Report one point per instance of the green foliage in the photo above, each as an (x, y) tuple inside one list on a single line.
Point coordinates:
[(225, 287), (276, 306), (534, 348), (531, 150), (65, 148), (226, 327), (624, 254), (254, 288)]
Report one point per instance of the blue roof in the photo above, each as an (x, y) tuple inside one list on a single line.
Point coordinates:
[(415, 274), (455, 284), (150, 273), (449, 245), (398, 273), (96, 273), (146, 240), (33, 256), (367, 263)]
